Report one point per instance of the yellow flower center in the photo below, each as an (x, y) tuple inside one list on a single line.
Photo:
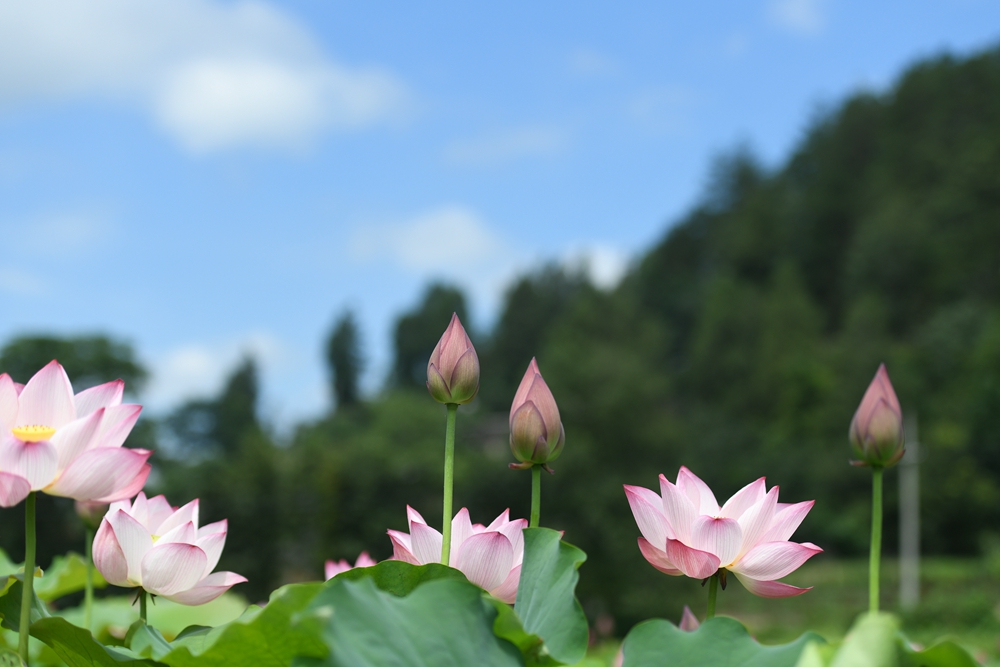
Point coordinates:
[(33, 433)]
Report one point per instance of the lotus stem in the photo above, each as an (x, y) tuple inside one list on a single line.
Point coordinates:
[(27, 591), (713, 592), (449, 482), (142, 605), (876, 546), (536, 495), (88, 591)]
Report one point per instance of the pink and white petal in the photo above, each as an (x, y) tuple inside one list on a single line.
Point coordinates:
[(129, 490), (159, 510), (181, 516), (647, 508), (116, 425), (332, 568), (689, 622), (697, 491), (744, 499), (19, 387), (486, 559), (401, 547), (13, 489), (208, 588), (678, 510), (168, 569), (770, 589), (212, 545), (499, 522), (36, 462), (694, 563), (718, 536), (461, 530), (514, 531), (75, 437), (364, 560), (140, 512), (413, 516), (100, 473), (8, 403), (134, 540), (785, 520), (658, 558), (774, 560), (507, 591), (426, 543), (185, 533), (109, 559), (102, 396), (216, 527), (756, 520), (47, 399)]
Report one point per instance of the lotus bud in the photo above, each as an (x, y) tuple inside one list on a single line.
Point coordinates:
[(877, 427), (91, 512), (689, 622), (536, 432), (453, 370)]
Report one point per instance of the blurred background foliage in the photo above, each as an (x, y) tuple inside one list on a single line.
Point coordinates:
[(738, 345)]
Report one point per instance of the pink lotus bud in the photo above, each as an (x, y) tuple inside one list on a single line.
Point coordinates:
[(877, 427), (453, 370), (536, 432), (689, 622), (91, 513)]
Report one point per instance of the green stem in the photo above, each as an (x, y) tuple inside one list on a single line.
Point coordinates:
[(536, 495), (713, 592), (88, 591), (449, 481), (876, 546), (29, 575), (142, 605)]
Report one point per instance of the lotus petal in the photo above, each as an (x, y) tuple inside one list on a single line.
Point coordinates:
[(785, 520), (102, 396), (647, 510), (99, 473), (130, 489), (212, 544), (208, 588), (756, 521), (134, 540), (697, 491), (426, 543), (117, 424), (36, 462), (47, 399), (401, 548), (486, 559), (770, 589), (507, 591), (678, 509), (181, 516), (13, 489), (658, 558), (75, 437), (8, 403), (109, 559), (718, 536), (694, 563), (744, 499), (168, 569), (774, 560)]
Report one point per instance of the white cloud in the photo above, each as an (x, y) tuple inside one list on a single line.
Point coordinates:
[(507, 146), (605, 265), (212, 75), (592, 64), (800, 17), (197, 370)]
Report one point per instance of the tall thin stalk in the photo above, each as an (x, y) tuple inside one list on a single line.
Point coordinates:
[(142, 605), (28, 590), (449, 482), (713, 592), (876, 545), (536, 495)]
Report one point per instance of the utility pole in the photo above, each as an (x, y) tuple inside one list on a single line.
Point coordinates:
[(909, 519)]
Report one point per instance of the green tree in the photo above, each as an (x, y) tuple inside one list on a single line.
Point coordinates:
[(344, 360), (418, 331)]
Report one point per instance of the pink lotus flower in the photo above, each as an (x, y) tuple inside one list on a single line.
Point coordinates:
[(333, 568), (64, 444), (685, 532), (453, 369), (536, 431), (689, 622), (490, 556), (877, 426), (160, 548)]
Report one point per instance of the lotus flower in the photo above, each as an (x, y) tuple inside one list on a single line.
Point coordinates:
[(536, 432), (453, 369), (877, 427), (64, 444), (689, 622), (333, 568), (490, 556), (160, 548), (685, 532)]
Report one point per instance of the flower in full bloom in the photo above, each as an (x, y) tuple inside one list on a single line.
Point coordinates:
[(536, 431), (877, 427), (490, 556), (453, 369), (161, 549), (64, 444), (333, 568), (685, 532)]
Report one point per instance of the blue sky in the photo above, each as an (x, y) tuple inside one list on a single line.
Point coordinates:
[(209, 178)]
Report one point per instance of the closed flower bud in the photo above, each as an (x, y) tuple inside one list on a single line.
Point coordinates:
[(877, 427), (536, 432), (453, 370)]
